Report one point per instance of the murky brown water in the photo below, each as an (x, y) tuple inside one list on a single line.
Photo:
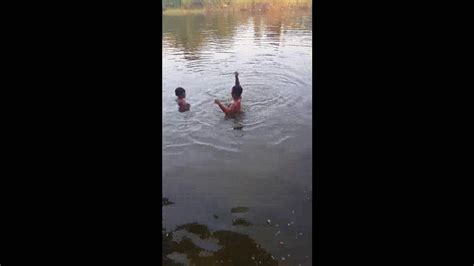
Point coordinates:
[(231, 182)]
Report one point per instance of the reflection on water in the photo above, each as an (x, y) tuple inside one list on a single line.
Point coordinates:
[(237, 197)]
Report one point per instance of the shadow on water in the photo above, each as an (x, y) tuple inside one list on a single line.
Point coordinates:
[(195, 244)]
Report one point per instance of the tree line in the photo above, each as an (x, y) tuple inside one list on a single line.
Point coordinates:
[(233, 3)]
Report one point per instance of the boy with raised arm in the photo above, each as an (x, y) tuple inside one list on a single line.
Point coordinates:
[(233, 108)]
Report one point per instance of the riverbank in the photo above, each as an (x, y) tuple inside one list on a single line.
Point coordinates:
[(183, 11), (240, 6), (232, 3)]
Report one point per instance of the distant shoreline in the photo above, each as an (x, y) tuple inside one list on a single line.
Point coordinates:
[(179, 11), (258, 6), (189, 11)]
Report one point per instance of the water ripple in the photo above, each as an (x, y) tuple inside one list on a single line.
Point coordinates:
[(275, 65), (212, 145)]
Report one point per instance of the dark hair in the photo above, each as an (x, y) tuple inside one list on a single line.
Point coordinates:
[(237, 90), (179, 91)]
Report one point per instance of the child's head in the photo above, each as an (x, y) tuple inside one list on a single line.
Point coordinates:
[(180, 92), (236, 92)]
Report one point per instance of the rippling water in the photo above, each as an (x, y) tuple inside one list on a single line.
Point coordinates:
[(208, 167)]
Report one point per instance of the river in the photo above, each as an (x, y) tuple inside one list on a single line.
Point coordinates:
[(264, 166)]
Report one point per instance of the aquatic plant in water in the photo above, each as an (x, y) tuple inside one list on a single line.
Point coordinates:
[(166, 202), (239, 209), (235, 248), (240, 221)]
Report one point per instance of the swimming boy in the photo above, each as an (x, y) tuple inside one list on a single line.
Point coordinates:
[(233, 108), (181, 94)]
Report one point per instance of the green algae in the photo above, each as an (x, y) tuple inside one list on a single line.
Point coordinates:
[(198, 229), (239, 209), (240, 221), (236, 249), (166, 202)]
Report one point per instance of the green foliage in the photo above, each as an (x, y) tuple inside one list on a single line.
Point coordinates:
[(251, 4)]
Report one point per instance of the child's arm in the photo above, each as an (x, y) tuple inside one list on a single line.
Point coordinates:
[(223, 108), (232, 109), (236, 78), (181, 102), (183, 105)]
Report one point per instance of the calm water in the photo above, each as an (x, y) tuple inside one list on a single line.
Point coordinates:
[(208, 166)]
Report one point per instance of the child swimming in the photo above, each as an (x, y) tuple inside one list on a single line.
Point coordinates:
[(181, 94), (233, 108)]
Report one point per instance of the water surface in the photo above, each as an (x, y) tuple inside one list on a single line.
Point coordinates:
[(264, 169)]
